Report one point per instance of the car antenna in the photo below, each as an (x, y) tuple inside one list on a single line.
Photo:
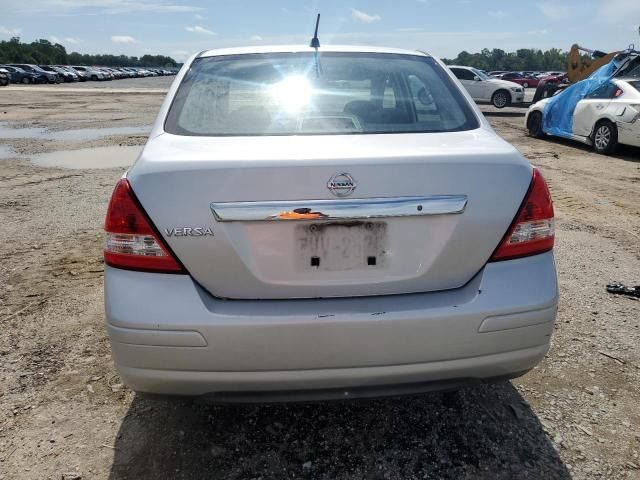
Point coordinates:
[(315, 43)]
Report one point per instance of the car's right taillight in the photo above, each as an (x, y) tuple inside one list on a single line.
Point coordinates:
[(132, 241), (532, 231)]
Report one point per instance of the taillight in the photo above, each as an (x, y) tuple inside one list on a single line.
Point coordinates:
[(131, 240), (532, 231)]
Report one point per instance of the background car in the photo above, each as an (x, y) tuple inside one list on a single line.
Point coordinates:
[(115, 73), (486, 89), (59, 77), (106, 74), (125, 73), (82, 77), (51, 77), (67, 75), (91, 73), (144, 72), (526, 81), (5, 79), (18, 75), (605, 118), (560, 78), (133, 73)]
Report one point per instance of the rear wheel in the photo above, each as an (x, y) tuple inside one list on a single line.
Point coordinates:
[(605, 137), (500, 99), (94, 77), (525, 85), (26, 80), (534, 124)]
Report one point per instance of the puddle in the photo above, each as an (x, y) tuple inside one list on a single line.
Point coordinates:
[(6, 152), (93, 133), (7, 132), (12, 133), (98, 157)]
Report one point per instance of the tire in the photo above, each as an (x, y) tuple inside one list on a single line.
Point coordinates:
[(501, 99), (94, 78), (534, 124), (605, 137), (525, 85), (4, 82), (26, 80)]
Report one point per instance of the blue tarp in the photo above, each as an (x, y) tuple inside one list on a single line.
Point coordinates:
[(558, 112)]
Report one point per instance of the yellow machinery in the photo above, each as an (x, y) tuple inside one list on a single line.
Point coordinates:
[(582, 62)]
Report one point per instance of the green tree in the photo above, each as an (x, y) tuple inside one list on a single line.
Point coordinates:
[(43, 52), (522, 59)]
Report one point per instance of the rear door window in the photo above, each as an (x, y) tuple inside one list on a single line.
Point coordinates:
[(605, 91), (462, 73)]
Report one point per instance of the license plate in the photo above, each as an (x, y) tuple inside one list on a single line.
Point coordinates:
[(341, 246)]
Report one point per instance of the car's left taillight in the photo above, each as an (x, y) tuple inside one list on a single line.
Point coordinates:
[(131, 240)]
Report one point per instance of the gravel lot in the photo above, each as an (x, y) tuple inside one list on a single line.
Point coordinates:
[(64, 413)]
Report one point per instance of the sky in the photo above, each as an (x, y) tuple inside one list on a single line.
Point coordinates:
[(443, 28)]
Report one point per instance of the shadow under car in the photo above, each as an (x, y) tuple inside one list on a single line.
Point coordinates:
[(484, 432)]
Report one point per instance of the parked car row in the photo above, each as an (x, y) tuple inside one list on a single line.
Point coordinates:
[(527, 79), (38, 74)]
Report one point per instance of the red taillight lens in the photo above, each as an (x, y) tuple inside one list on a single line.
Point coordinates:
[(532, 231), (131, 241)]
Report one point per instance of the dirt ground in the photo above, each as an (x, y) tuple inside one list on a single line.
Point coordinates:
[(65, 414)]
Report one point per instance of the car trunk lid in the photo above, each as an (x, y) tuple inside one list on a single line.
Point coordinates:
[(255, 217)]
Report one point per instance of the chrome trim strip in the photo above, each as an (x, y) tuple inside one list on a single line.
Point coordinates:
[(351, 209)]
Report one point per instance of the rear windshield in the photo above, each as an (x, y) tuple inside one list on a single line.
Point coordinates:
[(306, 94)]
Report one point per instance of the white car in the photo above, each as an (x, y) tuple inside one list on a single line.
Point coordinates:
[(603, 119), (486, 89), (92, 73), (325, 223)]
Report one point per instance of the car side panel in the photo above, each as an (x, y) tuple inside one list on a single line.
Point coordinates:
[(487, 89), (586, 114), (627, 119), (474, 89), (629, 133)]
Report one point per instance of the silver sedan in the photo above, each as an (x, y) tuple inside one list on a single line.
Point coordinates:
[(325, 223)]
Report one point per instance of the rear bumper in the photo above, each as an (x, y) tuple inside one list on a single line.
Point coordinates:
[(171, 337)]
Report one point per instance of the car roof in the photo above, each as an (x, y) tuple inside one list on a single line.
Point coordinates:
[(624, 81), (306, 49), (461, 66)]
